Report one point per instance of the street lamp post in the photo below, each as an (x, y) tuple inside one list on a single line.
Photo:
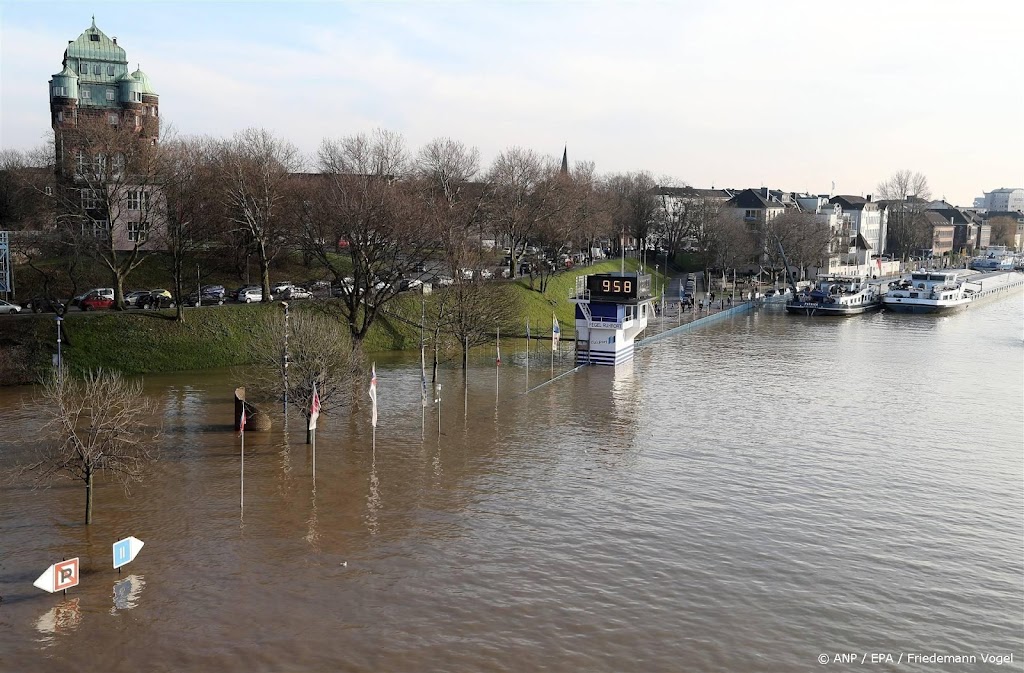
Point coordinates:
[(60, 372), (284, 363)]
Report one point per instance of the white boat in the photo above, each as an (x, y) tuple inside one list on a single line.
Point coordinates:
[(946, 291), (996, 258), (837, 296)]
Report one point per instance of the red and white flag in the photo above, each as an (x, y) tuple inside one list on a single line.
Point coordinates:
[(241, 421), (498, 346), (314, 409), (373, 394)]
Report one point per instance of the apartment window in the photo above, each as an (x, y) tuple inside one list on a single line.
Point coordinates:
[(96, 69), (82, 162), (749, 214), (90, 199), (85, 69), (136, 121), (155, 112), (59, 116), (112, 118), (86, 94), (138, 200), (138, 232), (49, 190), (110, 71), (117, 165), (60, 91), (110, 95), (94, 37), (99, 165)]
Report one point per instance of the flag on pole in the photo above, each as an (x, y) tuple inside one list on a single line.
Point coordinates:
[(556, 332), (373, 394), (423, 375), (314, 409), (527, 329), (498, 347), (241, 421), (879, 262)]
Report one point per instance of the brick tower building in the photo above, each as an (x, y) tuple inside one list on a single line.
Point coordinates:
[(106, 125)]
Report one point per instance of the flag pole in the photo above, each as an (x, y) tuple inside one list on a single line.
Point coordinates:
[(312, 437), (497, 367), (241, 495)]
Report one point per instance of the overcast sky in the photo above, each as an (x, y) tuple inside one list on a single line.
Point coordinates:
[(791, 95)]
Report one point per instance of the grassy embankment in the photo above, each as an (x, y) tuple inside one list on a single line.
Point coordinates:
[(135, 342)]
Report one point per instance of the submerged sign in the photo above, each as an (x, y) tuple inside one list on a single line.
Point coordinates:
[(126, 550), (59, 576)]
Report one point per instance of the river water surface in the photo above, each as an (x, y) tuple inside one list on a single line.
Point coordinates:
[(747, 496)]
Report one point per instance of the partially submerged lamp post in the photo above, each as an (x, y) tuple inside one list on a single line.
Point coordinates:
[(284, 363)]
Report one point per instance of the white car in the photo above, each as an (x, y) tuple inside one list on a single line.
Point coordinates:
[(296, 292), (8, 307), (251, 294), (486, 274), (281, 287), (445, 280), (467, 274)]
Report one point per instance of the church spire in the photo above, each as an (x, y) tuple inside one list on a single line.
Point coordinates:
[(565, 160)]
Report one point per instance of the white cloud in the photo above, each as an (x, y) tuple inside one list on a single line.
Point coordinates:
[(794, 94)]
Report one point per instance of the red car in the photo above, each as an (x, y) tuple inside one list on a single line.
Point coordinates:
[(94, 302)]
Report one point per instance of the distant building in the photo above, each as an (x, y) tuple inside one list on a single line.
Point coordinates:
[(1005, 199), (95, 87), (867, 222)]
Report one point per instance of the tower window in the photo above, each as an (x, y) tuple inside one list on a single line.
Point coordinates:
[(112, 118), (59, 91), (110, 94), (86, 94), (93, 37), (96, 68), (110, 70), (60, 115), (85, 69)]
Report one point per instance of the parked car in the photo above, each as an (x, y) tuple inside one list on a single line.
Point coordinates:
[(319, 285), (281, 287), (7, 307), (486, 274), (132, 298), (156, 299), (102, 291), (467, 274), (213, 290), (206, 299), (296, 292), (347, 287), (42, 304), (95, 301), (444, 281), (409, 284), (420, 267), (251, 294)]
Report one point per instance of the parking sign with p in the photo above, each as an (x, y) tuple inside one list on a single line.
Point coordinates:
[(59, 576)]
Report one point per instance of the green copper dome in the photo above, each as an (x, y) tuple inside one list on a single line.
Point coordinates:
[(143, 79)]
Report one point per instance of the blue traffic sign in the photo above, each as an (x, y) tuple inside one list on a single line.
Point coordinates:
[(126, 550)]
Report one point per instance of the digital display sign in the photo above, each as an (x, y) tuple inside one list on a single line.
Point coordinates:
[(620, 287)]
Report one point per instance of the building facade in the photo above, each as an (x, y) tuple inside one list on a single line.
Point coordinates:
[(1005, 199), (104, 119)]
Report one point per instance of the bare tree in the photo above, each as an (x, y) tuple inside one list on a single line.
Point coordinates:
[(474, 310), (907, 194), (254, 169), (636, 204), (805, 238), (318, 353), (95, 426), (112, 195), (1004, 231), (527, 192), (189, 201), (360, 203), (726, 240)]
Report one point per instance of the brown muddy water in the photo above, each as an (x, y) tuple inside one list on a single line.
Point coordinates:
[(745, 497)]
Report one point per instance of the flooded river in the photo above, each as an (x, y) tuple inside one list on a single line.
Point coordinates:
[(748, 496)]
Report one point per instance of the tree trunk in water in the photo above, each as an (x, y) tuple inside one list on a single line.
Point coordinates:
[(88, 497)]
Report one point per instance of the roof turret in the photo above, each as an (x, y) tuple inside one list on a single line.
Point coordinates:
[(143, 79)]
